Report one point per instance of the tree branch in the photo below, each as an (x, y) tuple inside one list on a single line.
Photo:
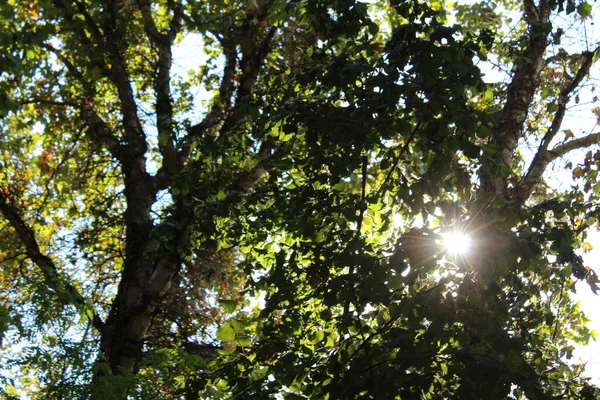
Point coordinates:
[(580, 143), (71, 68), (172, 163), (139, 190), (250, 70), (91, 24), (521, 90), (253, 55), (226, 87), (149, 25), (543, 157), (134, 133), (175, 25), (245, 181), (145, 280), (107, 40), (65, 290), (100, 132), (223, 101)]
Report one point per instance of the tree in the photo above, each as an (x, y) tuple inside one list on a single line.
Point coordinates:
[(338, 141)]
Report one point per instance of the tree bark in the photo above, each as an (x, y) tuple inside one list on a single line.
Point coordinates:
[(520, 92)]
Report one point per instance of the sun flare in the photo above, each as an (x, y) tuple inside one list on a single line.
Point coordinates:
[(457, 243)]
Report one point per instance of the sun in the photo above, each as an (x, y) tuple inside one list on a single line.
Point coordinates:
[(457, 243)]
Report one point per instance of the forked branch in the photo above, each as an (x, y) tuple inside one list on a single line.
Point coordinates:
[(544, 156)]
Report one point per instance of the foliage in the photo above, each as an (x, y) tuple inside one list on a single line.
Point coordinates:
[(271, 222)]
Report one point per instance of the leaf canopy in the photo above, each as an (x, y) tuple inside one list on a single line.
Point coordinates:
[(264, 217)]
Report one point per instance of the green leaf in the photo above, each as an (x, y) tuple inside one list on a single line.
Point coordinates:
[(488, 96), (584, 9), (4, 321), (180, 382), (221, 384), (226, 333), (243, 341), (483, 131), (596, 55), (228, 305), (285, 164)]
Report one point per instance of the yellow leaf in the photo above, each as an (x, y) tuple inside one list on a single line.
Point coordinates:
[(587, 246), (569, 133)]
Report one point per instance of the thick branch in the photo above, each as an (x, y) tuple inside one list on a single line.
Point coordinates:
[(543, 157), (107, 40), (99, 131), (75, 26), (65, 290), (250, 70), (222, 103), (164, 112), (134, 134), (139, 191), (175, 25), (71, 68), (149, 25), (90, 23), (580, 143), (162, 87), (253, 55), (253, 52), (246, 181), (133, 128), (522, 88)]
